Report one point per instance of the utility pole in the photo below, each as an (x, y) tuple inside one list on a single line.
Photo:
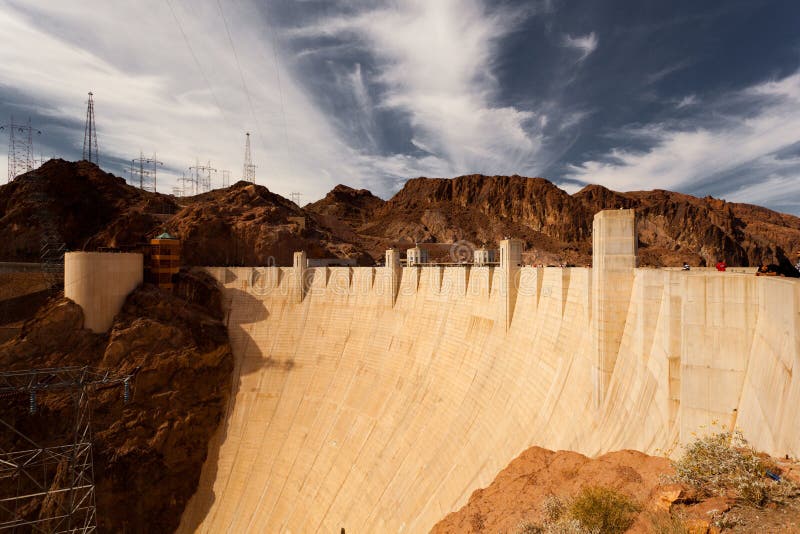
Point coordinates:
[(249, 170), (20, 147), (90, 134)]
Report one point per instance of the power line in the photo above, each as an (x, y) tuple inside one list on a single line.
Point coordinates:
[(196, 61), (271, 33), (238, 64)]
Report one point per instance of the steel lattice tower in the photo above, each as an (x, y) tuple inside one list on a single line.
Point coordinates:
[(90, 134), (249, 170), (55, 478), (201, 177), (20, 148), (147, 177)]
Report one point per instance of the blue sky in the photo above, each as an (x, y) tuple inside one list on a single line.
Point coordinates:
[(698, 97)]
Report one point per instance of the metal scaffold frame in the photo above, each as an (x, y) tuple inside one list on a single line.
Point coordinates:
[(51, 488)]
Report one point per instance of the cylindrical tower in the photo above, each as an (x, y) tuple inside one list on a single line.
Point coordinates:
[(99, 282)]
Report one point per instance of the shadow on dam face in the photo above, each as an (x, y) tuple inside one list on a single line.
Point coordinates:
[(356, 410), (243, 311)]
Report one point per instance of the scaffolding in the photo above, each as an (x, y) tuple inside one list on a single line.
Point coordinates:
[(50, 488)]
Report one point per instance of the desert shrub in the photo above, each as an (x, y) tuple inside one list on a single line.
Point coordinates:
[(565, 526), (666, 523), (725, 463), (529, 528), (603, 510), (553, 508), (568, 526)]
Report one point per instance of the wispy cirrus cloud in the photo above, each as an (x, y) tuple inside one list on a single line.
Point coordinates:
[(732, 152), (397, 89), (584, 44), (687, 101), (433, 65)]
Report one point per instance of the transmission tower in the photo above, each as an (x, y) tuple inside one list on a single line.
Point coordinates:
[(249, 170), (295, 197), (146, 170), (226, 178), (201, 175), (20, 148), (51, 243), (90, 134), (185, 188), (49, 487)]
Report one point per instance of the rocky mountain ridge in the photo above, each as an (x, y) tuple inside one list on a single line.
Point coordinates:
[(246, 224)]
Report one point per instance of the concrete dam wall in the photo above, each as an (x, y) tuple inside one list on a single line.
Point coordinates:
[(379, 399)]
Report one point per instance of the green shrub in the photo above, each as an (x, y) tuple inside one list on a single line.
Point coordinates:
[(603, 510)]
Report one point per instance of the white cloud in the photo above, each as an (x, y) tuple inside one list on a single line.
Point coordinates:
[(585, 44), (150, 94), (687, 101), (775, 189), (435, 64), (768, 121), (431, 62)]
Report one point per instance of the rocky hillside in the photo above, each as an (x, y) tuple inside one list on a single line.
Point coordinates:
[(556, 226), (148, 453), (79, 200), (525, 496), (246, 224)]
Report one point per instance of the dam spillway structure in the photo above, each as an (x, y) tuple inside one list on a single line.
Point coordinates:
[(379, 399)]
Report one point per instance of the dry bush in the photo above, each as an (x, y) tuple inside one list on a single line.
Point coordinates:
[(529, 528), (724, 463), (666, 523), (594, 510), (603, 510), (553, 508)]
